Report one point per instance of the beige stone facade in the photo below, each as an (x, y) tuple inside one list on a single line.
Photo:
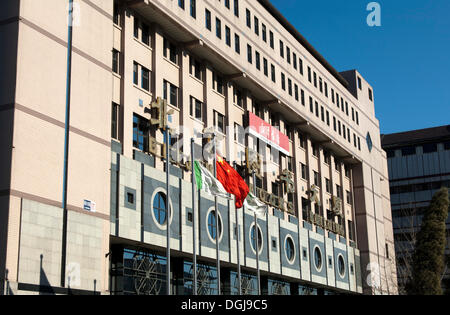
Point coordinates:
[(187, 62)]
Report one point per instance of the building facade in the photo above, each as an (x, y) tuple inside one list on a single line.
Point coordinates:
[(237, 66), (419, 165)]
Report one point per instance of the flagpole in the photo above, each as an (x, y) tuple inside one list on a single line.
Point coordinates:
[(257, 239), (168, 210), (237, 246), (217, 218), (194, 220)]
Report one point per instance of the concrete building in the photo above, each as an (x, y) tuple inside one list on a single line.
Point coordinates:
[(419, 165), (217, 63)]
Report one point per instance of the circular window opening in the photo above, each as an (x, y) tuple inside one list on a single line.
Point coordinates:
[(289, 249), (160, 208), (253, 239), (318, 258), (212, 228), (341, 266)]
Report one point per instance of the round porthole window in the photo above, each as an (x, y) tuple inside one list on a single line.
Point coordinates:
[(159, 209), (253, 239), (211, 225), (318, 258), (341, 266), (289, 249)]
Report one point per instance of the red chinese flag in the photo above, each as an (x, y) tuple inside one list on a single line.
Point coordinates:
[(232, 181)]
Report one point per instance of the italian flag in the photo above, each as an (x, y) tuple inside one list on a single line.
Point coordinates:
[(207, 182), (228, 181)]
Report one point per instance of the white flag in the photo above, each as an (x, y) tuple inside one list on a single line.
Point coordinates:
[(252, 203)]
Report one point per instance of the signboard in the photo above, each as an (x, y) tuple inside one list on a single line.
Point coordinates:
[(265, 132), (89, 206)]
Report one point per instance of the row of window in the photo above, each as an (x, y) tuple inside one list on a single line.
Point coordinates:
[(403, 189), (412, 150), (262, 63)]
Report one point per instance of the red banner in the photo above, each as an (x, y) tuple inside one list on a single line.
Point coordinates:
[(271, 135)]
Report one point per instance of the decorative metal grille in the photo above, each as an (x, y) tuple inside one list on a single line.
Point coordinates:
[(205, 280), (147, 275), (279, 288), (247, 285)]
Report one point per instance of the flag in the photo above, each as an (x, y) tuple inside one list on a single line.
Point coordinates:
[(207, 182), (232, 181), (255, 205)]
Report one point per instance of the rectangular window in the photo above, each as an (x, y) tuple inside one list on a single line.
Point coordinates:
[(406, 151), (316, 179), (309, 75), (370, 95), (304, 171), (256, 26), (322, 113), (145, 34), (326, 89), (317, 110), (328, 118), (249, 54), (283, 81), (290, 87), (294, 59), (238, 99), (311, 105), (196, 109), (207, 19), (273, 73), (135, 73), (296, 92), (315, 79), (218, 84), (193, 8), (359, 83), (315, 150), (257, 60), (237, 44), (266, 67), (300, 65), (249, 18), (227, 4), (281, 49), (116, 17), (219, 122), (328, 185), (114, 121), (272, 41), (115, 61), (140, 133), (181, 4), (302, 140), (236, 8), (145, 83), (170, 51), (195, 68), (227, 36), (332, 95), (218, 28), (303, 97), (264, 33), (170, 93), (338, 191), (288, 55), (136, 27), (239, 134)]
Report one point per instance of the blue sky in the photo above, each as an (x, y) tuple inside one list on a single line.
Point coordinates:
[(406, 60)]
